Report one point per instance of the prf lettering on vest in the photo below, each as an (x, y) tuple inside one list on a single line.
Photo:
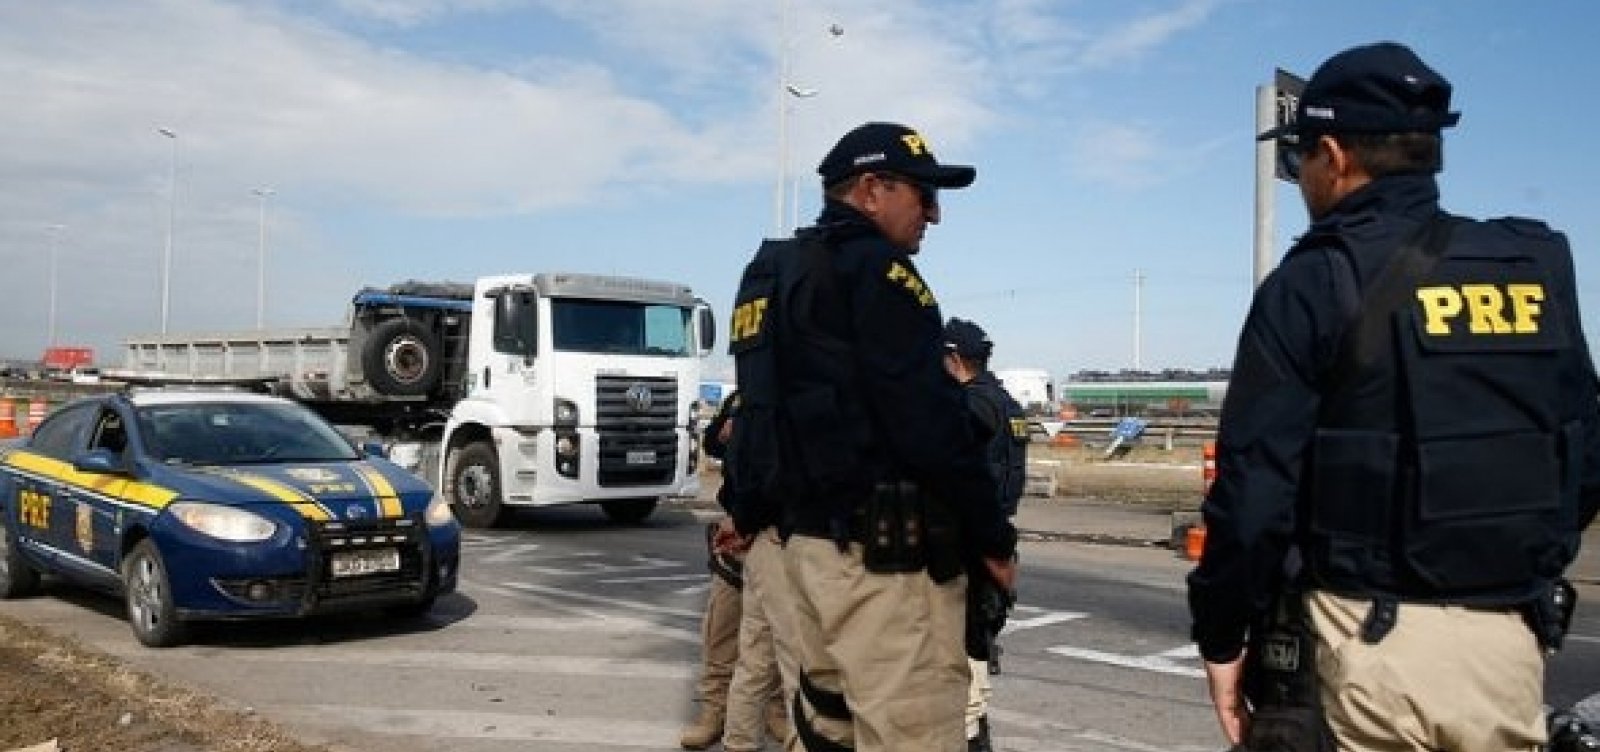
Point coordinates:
[(1489, 309), (747, 318), (913, 284)]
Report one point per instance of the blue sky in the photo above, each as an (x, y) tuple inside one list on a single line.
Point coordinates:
[(447, 139)]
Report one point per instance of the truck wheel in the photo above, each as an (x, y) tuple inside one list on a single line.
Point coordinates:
[(628, 511), (17, 578), (148, 592), (402, 358), (475, 486)]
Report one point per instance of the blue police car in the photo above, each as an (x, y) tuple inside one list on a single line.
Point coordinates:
[(217, 505)]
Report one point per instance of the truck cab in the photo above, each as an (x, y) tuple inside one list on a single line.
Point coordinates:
[(577, 388)]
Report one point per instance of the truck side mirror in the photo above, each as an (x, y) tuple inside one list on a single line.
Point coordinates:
[(707, 326)]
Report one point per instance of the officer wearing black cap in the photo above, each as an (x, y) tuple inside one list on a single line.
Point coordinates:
[(852, 430), (1412, 418), (999, 418)]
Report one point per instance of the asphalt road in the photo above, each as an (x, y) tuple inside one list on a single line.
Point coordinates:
[(572, 634)]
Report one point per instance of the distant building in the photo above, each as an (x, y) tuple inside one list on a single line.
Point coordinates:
[(1170, 392)]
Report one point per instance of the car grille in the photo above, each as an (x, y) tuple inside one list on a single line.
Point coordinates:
[(407, 535), (626, 431)]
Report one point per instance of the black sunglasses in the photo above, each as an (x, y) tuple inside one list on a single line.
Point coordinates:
[(927, 193), (1292, 153)]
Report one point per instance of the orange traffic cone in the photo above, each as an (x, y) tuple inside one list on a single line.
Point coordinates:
[(1194, 542), (8, 418), (1208, 463), (36, 412)]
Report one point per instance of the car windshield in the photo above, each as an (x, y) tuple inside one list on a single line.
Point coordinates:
[(614, 326), (228, 433)]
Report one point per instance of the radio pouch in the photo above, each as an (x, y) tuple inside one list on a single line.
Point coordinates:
[(895, 530)]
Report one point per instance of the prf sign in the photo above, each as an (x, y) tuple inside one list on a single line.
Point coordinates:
[(1289, 87)]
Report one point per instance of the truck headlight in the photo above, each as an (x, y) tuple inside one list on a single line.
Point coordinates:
[(438, 514), (223, 522), (565, 412)]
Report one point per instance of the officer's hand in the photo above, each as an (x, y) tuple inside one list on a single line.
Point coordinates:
[(1232, 712), (726, 539), (1004, 572)]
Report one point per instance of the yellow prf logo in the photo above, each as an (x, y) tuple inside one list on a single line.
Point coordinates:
[(747, 318), (915, 144), (1487, 307), (913, 284)]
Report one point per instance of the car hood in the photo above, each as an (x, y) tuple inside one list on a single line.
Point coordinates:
[(317, 491)]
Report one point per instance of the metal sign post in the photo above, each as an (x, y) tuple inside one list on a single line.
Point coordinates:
[(1275, 105)]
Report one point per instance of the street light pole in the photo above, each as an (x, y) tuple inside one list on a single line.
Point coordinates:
[(786, 90), (261, 260), (172, 219), (55, 249)]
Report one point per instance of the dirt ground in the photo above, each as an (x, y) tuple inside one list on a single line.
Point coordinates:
[(53, 690)]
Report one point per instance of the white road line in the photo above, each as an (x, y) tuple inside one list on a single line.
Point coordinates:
[(451, 660), (1056, 617), (655, 578), (1584, 638), (510, 553), (1191, 651), (1156, 663), (623, 602), (1054, 730), (457, 724), (625, 622)]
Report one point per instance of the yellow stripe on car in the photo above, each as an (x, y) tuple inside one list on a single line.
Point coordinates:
[(388, 500), (303, 503), (116, 487)]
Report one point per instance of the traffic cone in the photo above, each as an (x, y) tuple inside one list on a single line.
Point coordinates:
[(1208, 463), (36, 412), (1194, 542), (8, 418)]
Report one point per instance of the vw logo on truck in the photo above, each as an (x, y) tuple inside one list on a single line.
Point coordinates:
[(639, 398)]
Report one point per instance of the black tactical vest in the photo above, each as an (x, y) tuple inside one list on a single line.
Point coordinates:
[(1446, 470), (1007, 448)]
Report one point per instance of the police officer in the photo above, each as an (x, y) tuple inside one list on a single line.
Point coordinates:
[(1000, 418), (1413, 415), (869, 452)]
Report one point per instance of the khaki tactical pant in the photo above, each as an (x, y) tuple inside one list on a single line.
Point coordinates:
[(1446, 678), (892, 644), (979, 692), (766, 662), (719, 634)]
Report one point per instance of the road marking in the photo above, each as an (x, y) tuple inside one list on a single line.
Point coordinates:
[(1044, 620), (1584, 638), (629, 623), (654, 578), (446, 660), (589, 569), (1055, 732), (511, 552), (623, 602), (1159, 662)]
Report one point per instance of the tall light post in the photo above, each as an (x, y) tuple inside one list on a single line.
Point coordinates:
[(55, 249), (787, 90), (261, 260), (172, 220)]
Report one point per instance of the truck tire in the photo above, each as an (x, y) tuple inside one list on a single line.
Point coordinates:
[(475, 493), (17, 578), (402, 358), (628, 511)]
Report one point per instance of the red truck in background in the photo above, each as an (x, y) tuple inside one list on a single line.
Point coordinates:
[(67, 358)]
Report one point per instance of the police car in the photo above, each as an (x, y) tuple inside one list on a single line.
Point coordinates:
[(217, 505)]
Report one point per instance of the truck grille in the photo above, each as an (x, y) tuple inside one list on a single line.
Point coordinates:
[(629, 434)]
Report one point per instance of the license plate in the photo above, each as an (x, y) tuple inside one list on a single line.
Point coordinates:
[(641, 457), (370, 561)]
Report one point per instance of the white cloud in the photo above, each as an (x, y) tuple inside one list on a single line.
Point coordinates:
[(1139, 36), (1122, 155)]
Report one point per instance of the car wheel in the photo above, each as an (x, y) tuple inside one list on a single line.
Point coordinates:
[(475, 486), (402, 358), (148, 592), (628, 511), (17, 578)]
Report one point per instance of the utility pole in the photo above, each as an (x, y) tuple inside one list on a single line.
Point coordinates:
[(1138, 320)]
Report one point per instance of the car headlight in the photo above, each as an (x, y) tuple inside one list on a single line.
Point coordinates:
[(438, 513), (223, 522)]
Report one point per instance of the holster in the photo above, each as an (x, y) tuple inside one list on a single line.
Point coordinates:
[(988, 607), (1550, 615), (1280, 680), (895, 530)]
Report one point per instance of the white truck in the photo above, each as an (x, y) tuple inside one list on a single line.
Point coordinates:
[(519, 390)]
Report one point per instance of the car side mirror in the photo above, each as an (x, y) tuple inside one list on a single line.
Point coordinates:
[(374, 449), (103, 461)]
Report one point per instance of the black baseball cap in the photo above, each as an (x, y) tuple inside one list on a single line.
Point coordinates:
[(890, 147), (1375, 88), (967, 339)]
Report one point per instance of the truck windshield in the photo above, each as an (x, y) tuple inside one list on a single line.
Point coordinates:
[(229, 433), (623, 327)]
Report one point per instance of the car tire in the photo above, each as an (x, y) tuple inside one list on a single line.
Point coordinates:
[(474, 483), (147, 590), (18, 579), (401, 358), (628, 511)]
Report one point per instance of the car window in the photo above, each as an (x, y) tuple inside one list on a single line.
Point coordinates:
[(109, 433), (61, 434), (213, 433)]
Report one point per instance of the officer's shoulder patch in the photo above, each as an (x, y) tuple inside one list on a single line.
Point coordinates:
[(902, 275)]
